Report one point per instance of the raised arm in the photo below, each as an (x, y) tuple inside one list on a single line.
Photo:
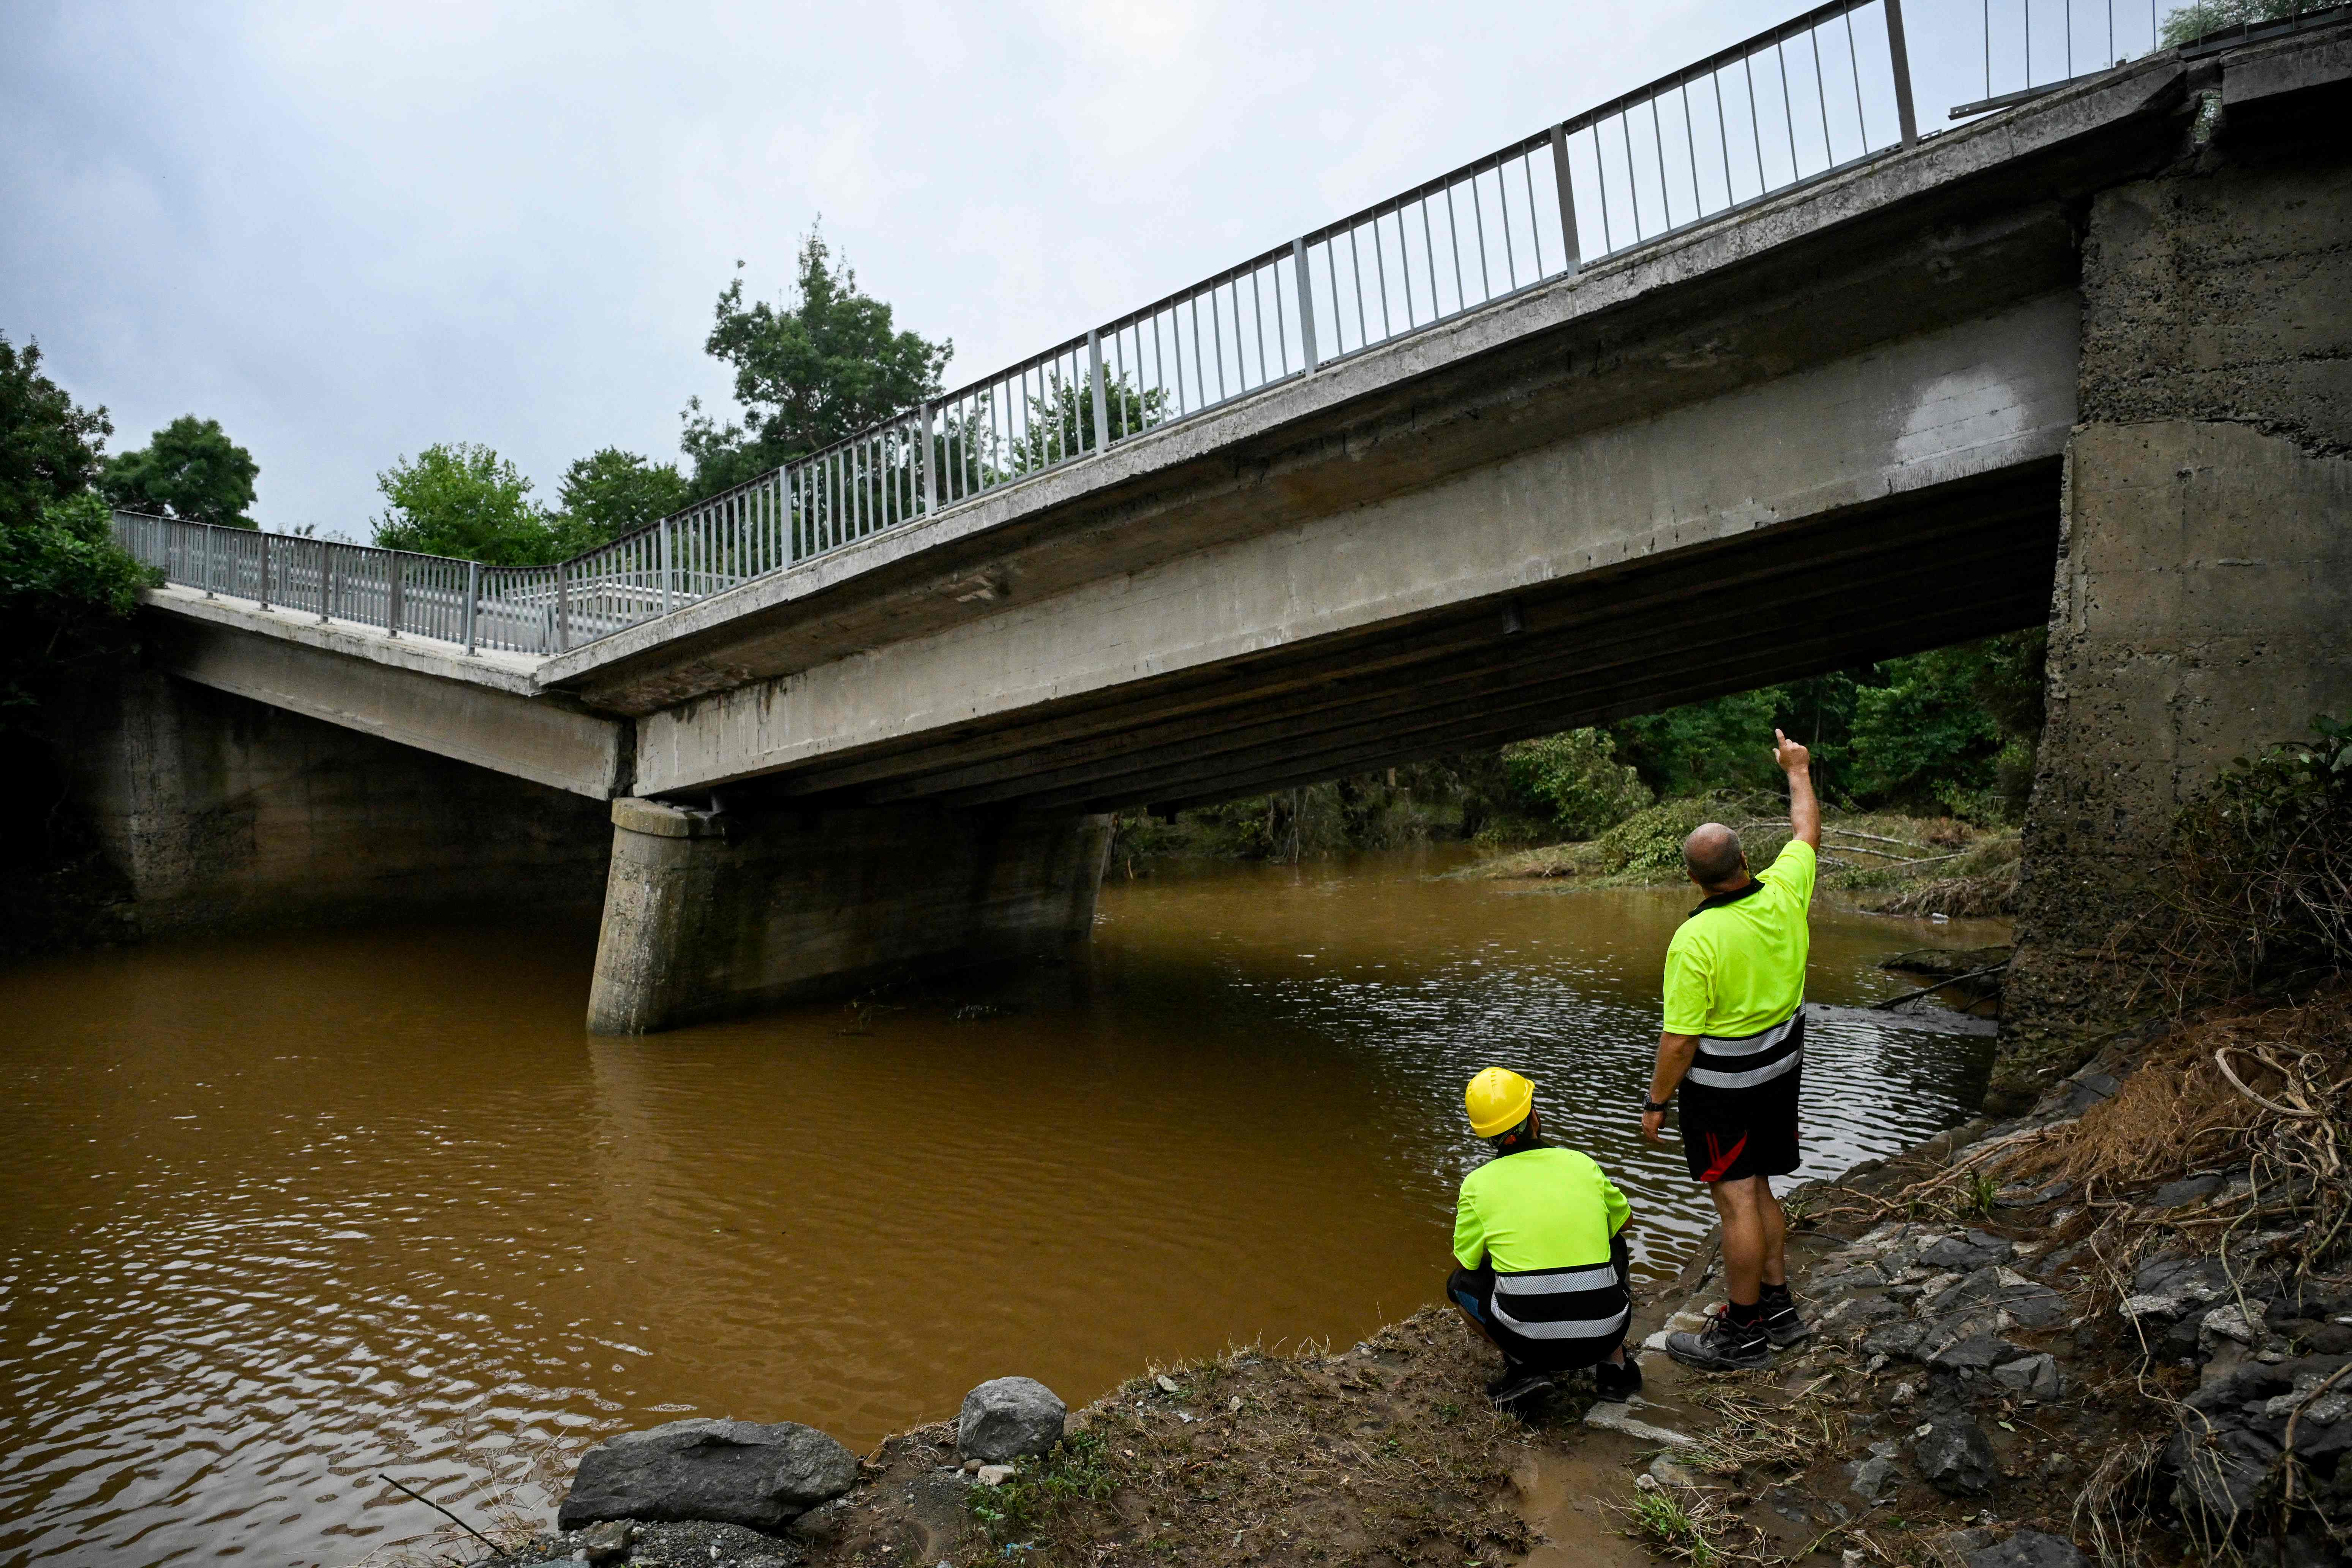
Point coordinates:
[(1804, 811)]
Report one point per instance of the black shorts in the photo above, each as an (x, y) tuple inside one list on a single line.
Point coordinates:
[(1473, 1290), (1729, 1134)]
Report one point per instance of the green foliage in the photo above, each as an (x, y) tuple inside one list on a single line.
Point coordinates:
[(190, 470), (612, 492), (1062, 422), (1576, 775), (1956, 727), (2190, 23), (1723, 744), (2264, 879), (463, 499), (808, 374), (50, 449), (1077, 1470), (1652, 840), (66, 591)]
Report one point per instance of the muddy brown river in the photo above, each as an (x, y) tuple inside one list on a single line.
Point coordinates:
[(278, 1213)]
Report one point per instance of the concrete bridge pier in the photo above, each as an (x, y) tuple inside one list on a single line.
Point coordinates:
[(710, 915), (2204, 581)]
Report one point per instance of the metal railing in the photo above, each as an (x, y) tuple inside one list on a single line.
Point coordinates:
[(1816, 94), (2034, 46)]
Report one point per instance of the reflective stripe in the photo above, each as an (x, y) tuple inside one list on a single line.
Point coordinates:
[(1711, 1078), (1597, 1277), (1749, 1045), (1575, 1329)]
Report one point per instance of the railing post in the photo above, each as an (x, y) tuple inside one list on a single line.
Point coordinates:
[(393, 608), (265, 572), (212, 565), (473, 593), (1102, 403), (1900, 53), (663, 528), (562, 606), (1567, 197), (1306, 304), (326, 583), (927, 461)]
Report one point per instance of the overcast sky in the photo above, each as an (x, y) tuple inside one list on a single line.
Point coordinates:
[(349, 232)]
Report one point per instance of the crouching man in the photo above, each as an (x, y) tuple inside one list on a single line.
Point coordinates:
[(1539, 1234)]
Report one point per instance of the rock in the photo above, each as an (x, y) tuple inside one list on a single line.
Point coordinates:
[(1976, 1352), (1904, 1392), (1954, 1457), (993, 1475), (732, 1472), (701, 1543), (1902, 1340), (823, 1523), (1007, 1418), (1166, 1383), (2177, 1194), (2224, 1323), (2169, 1286), (1666, 1473), (2089, 1089), (2037, 1376), (1871, 1477), (2027, 1549), (1966, 1252), (603, 1542)]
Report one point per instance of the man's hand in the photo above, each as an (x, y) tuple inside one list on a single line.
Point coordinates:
[(1651, 1122), (1804, 810)]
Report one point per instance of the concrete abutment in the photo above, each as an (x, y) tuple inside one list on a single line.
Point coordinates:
[(220, 812), (708, 915), (2203, 608)]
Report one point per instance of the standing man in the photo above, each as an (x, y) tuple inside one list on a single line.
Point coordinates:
[(1734, 1048)]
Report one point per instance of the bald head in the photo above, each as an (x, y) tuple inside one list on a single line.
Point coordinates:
[(1713, 853)]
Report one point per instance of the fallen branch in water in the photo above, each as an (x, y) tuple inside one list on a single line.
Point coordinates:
[(444, 1513), (1931, 990)]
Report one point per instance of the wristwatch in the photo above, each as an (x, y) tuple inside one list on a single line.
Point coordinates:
[(1649, 1105)]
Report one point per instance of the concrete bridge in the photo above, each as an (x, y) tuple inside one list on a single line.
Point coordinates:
[(2080, 361)]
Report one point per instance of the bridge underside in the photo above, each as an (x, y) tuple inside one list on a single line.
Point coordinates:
[(1867, 583)]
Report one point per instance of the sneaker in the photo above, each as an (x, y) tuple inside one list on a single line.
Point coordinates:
[(1618, 1383), (1783, 1326), (1723, 1345), (1519, 1387)]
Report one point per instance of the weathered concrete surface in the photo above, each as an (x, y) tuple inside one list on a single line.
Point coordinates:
[(227, 813), (482, 708), (2204, 590), (706, 915)]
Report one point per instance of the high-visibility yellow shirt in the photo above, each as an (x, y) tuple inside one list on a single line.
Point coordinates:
[(1540, 1208), (1737, 965)]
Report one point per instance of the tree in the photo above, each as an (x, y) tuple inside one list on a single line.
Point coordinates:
[(50, 449), (1061, 423), (2191, 22), (611, 492), (1577, 778), (462, 498), (807, 373), (190, 470), (66, 589)]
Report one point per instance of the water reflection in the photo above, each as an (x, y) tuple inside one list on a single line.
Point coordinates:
[(282, 1211)]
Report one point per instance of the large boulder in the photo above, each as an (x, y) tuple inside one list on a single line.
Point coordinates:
[(1007, 1418), (732, 1472)]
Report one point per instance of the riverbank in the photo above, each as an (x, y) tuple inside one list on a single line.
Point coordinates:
[(2116, 1329), (1886, 862)]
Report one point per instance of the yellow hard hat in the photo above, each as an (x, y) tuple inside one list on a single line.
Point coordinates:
[(1498, 1099)]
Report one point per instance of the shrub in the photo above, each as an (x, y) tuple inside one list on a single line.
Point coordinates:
[(2265, 861), (1577, 778)]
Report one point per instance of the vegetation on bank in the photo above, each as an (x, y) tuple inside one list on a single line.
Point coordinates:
[(1924, 763)]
